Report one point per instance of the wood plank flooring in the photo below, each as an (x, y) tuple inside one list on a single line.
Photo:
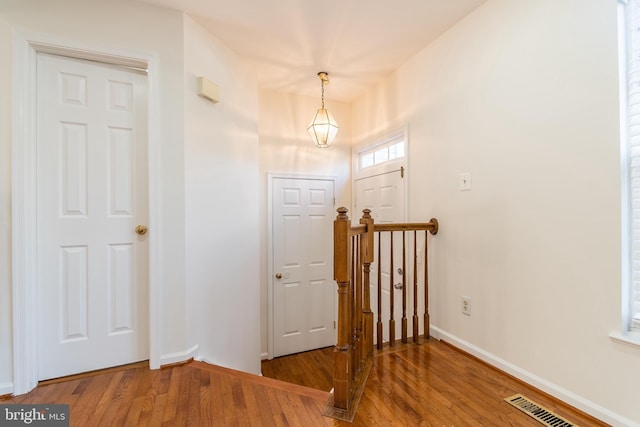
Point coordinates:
[(431, 384), (194, 394)]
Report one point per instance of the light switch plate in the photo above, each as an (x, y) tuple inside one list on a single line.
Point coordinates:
[(465, 181)]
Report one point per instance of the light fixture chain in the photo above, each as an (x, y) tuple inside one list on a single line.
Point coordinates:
[(322, 85)]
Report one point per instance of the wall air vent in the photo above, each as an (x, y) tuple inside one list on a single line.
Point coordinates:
[(538, 412)]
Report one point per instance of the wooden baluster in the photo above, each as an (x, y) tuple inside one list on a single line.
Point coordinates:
[(356, 307), (367, 255), (379, 322), (427, 332), (341, 251), (392, 321), (415, 285), (404, 289)]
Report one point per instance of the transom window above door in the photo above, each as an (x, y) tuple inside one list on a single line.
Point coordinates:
[(391, 150)]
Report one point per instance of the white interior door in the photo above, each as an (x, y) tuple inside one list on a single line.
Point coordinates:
[(304, 291), (91, 194), (384, 194)]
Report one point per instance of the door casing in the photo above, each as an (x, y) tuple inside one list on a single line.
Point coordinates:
[(23, 194)]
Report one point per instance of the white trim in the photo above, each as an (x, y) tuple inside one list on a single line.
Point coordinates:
[(630, 339), (155, 190), (80, 53), (271, 176), (264, 356), (270, 273), (210, 362), (180, 356), (554, 390), (6, 388), (23, 229), (625, 199), (23, 195)]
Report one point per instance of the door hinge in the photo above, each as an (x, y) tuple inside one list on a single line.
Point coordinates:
[(401, 171), (334, 324)]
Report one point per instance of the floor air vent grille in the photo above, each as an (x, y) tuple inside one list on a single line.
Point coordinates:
[(538, 412)]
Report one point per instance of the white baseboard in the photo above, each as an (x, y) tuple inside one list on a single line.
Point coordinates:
[(566, 396), (207, 361), (6, 388), (264, 356), (181, 356)]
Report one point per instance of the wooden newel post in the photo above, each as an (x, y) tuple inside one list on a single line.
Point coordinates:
[(341, 274), (427, 322), (366, 252)]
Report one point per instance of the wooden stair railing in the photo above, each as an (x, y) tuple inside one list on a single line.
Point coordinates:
[(354, 248)]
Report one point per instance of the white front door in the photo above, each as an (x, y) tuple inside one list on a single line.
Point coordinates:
[(92, 192), (384, 194), (304, 291)]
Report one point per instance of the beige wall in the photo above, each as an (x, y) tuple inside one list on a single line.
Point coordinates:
[(523, 95), (286, 148), (222, 232)]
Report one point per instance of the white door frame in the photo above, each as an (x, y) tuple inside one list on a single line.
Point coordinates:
[(270, 273), (23, 195)]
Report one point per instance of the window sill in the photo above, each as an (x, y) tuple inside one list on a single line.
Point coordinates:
[(628, 338)]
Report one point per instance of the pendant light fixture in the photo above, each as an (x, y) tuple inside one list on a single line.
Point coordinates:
[(323, 127)]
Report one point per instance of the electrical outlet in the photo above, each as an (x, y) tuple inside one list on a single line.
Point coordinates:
[(466, 306)]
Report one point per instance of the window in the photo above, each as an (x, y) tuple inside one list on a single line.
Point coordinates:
[(629, 19), (389, 151)]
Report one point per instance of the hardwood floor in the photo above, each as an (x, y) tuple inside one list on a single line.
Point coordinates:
[(311, 369), (431, 384), (194, 394)]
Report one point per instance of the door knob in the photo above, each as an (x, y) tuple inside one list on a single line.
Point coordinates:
[(278, 275), (141, 230), (398, 286)]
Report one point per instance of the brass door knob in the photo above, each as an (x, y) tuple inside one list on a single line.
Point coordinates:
[(141, 230), (278, 275)]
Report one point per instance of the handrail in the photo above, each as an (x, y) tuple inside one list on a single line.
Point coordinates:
[(431, 226), (357, 229)]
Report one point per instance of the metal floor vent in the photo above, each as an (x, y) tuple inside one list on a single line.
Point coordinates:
[(538, 412)]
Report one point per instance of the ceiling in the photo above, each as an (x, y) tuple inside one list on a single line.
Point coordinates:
[(358, 42)]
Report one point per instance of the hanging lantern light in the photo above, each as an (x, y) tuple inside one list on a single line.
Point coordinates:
[(323, 128)]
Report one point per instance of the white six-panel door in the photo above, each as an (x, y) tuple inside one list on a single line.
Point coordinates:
[(303, 287), (384, 194), (91, 194)]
